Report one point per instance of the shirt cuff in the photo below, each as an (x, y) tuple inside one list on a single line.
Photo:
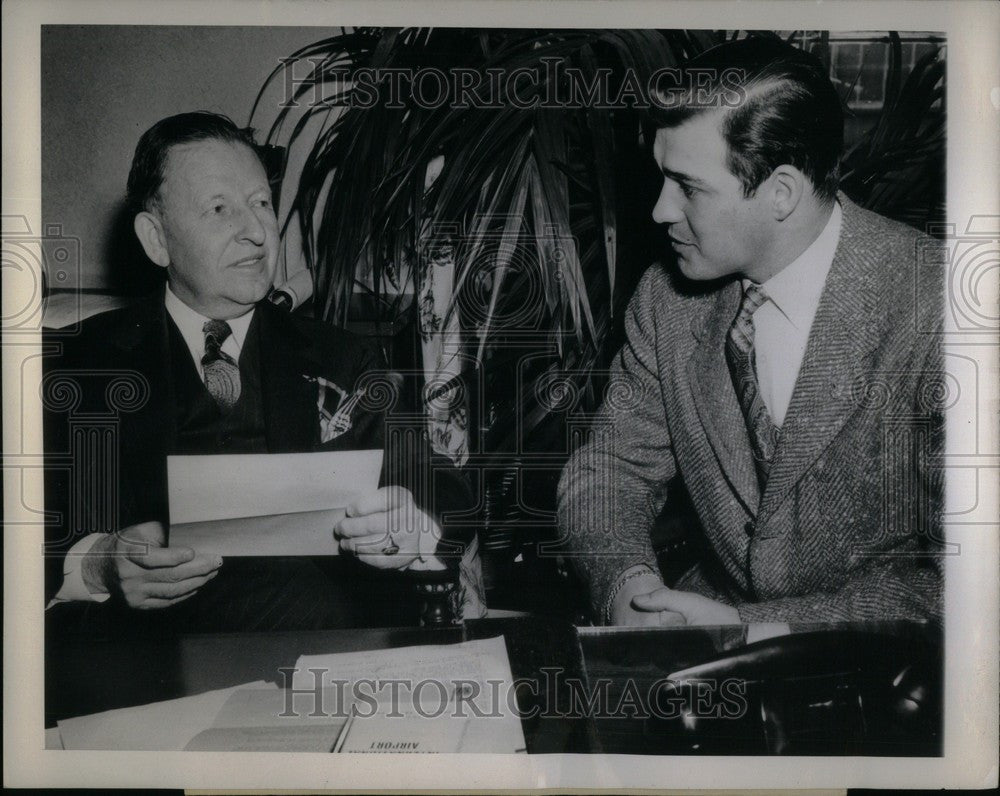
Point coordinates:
[(73, 588)]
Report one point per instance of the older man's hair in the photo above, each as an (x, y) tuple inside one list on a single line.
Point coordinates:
[(787, 111), (149, 162)]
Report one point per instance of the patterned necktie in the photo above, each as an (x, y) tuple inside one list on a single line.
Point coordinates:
[(222, 374), (740, 357)]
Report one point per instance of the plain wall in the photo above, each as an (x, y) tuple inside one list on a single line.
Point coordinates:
[(103, 86)]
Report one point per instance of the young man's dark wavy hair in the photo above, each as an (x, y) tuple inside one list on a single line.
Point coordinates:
[(146, 174), (788, 111)]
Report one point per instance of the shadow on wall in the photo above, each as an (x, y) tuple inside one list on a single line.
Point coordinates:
[(129, 269)]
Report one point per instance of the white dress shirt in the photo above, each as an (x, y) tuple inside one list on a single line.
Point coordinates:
[(190, 324), (782, 324)]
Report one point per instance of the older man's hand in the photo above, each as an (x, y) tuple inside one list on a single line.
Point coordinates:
[(136, 563), (695, 608), (387, 530)]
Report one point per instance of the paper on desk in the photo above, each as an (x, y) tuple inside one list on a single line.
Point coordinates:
[(265, 504), (408, 733), (320, 738), (255, 720), (472, 672), (160, 726)]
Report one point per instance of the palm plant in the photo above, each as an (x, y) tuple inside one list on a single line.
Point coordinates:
[(530, 198), (897, 167)]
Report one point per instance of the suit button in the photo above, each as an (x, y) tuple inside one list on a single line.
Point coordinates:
[(750, 528)]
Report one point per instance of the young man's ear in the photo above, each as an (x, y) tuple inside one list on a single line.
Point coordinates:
[(788, 185), (149, 231)]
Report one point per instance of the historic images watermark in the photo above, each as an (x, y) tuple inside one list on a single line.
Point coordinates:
[(550, 84), (553, 695)]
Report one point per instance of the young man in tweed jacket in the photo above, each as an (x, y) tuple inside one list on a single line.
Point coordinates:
[(787, 374)]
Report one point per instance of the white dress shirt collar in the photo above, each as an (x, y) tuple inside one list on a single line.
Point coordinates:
[(796, 289), (190, 324)]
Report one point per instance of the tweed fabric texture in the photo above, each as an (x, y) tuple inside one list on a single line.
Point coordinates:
[(848, 524)]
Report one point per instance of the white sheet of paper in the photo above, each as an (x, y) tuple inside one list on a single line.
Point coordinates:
[(308, 533), (160, 726), (227, 486), (268, 720), (410, 733), (272, 504), (482, 661), (318, 738)]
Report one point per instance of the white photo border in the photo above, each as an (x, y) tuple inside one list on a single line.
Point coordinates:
[(971, 740)]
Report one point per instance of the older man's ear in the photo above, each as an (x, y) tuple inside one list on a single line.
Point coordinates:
[(149, 230)]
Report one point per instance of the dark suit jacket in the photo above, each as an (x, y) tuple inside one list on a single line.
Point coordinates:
[(849, 517), (110, 417)]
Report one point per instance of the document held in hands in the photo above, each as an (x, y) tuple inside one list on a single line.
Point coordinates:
[(271, 504)]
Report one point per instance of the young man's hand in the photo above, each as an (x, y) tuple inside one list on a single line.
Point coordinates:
[(695, 609), (622, 612)]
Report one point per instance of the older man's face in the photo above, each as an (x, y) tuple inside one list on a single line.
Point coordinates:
[(219, 227)]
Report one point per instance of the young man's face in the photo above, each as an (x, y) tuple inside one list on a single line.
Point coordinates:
[(714, 230), (219, 228)]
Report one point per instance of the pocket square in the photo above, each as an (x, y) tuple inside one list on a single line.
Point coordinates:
[(335, 406)]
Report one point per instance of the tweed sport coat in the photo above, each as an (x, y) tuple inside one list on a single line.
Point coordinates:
[(848, 525)]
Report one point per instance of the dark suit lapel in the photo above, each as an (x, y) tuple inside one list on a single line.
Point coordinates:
[(143, 337), (715, 397), (843, 332), (287, 358)]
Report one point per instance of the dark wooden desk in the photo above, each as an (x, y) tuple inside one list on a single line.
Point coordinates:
[(586, 691)]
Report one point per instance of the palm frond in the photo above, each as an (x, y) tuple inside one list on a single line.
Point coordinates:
[(896, 169), (530, 200)]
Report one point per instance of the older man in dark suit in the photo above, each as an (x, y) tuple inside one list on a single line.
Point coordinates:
[(786, 374), (207, 366)]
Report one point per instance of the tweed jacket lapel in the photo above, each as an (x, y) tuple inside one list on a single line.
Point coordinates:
[(715, 397), (843, 332)]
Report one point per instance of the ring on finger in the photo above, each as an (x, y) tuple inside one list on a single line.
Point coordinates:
[(391, 548)]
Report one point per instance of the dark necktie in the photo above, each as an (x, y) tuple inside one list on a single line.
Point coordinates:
[(740, 357), (222, 374)]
